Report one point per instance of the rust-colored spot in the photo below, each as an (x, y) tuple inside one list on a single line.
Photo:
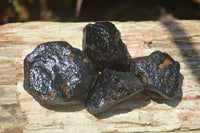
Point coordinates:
[(47, 97), (72, 56), (118, 83), (50, 95), (85, 60), (131, 68), (53, 94), (171, 81), (166, 63), (172, 78), (144, 79), (66, 90), (59, 46)]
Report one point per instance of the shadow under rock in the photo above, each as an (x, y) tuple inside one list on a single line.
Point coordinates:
[(65, 108), (138, 101)]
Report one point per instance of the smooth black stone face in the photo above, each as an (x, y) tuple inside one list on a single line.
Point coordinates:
[(159, 72), (55, 73), (103, 45), (111, 88)]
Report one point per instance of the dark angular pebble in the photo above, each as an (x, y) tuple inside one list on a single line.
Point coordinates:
[(159, 72), (103, 45), (55, 73), (111, 88)]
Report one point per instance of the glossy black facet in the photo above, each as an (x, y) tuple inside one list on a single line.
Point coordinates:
[(111, 88), (159, 72), (103, 45), (55, 73)]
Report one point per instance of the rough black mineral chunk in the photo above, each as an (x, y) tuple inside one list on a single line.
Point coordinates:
[(55, 73), (112, 87), (103, 45), (159, 72)]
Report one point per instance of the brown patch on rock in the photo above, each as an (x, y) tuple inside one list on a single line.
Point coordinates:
[(66, 90), (166, 63), (50, 95), (85, 60), (72, 56), (144, 79)]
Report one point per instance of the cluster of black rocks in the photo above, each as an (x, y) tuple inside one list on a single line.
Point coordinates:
[(101, 75)]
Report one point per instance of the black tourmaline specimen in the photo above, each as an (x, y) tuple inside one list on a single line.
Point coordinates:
[(112, 87), (103, 45), (159, 72), (55, 73)]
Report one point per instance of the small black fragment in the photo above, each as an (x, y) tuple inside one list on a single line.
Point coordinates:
[(103, 45), (111, 88), (159, 72), (55, 73)]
